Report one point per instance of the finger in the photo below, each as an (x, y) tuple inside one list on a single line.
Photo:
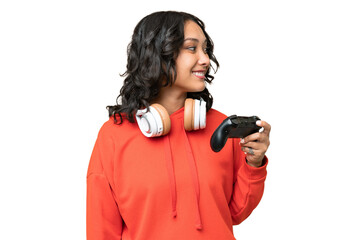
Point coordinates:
[(265, 125), (258, 149), (249, 150), (254, 145), (254, 137)]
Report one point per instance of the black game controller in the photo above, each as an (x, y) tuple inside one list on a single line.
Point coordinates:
[(233, 127)]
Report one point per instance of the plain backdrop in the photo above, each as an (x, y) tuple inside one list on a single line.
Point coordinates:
[(295, 64)]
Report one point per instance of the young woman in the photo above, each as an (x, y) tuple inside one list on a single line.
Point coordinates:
[(152, 173)]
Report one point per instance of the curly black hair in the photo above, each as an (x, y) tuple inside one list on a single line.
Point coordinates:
[(152, 52)]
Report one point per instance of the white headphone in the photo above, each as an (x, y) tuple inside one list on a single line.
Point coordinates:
[(156, 122)]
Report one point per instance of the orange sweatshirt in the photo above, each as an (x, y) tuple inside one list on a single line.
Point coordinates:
[(168, 188)]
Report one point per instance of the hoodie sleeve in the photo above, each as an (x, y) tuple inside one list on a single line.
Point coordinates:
[(103, 219), (248, 185)]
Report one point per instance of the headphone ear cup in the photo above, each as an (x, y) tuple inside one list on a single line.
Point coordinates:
[(189, 114), (155, 122), (196, 125), (165, 118), (149, 122), (202, 119)]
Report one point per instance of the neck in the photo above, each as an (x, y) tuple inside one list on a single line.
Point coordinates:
[(171, 99)]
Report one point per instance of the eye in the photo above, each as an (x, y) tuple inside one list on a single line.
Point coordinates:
[(206, 50), (192, 48)]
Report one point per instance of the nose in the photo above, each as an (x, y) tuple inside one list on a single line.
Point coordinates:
[(204, 59)]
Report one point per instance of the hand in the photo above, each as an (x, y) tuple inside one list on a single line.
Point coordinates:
[(256, 145)]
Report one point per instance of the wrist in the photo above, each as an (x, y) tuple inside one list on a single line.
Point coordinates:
[(256, 164)]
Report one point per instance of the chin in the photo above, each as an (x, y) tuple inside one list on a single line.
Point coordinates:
[(198, 89)]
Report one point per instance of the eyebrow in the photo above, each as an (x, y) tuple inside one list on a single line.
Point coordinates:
[(194, 39)]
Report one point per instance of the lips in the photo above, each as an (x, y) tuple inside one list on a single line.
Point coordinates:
[(199, 74)]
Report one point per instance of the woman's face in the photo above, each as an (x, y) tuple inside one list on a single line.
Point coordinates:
[(193, 61)]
